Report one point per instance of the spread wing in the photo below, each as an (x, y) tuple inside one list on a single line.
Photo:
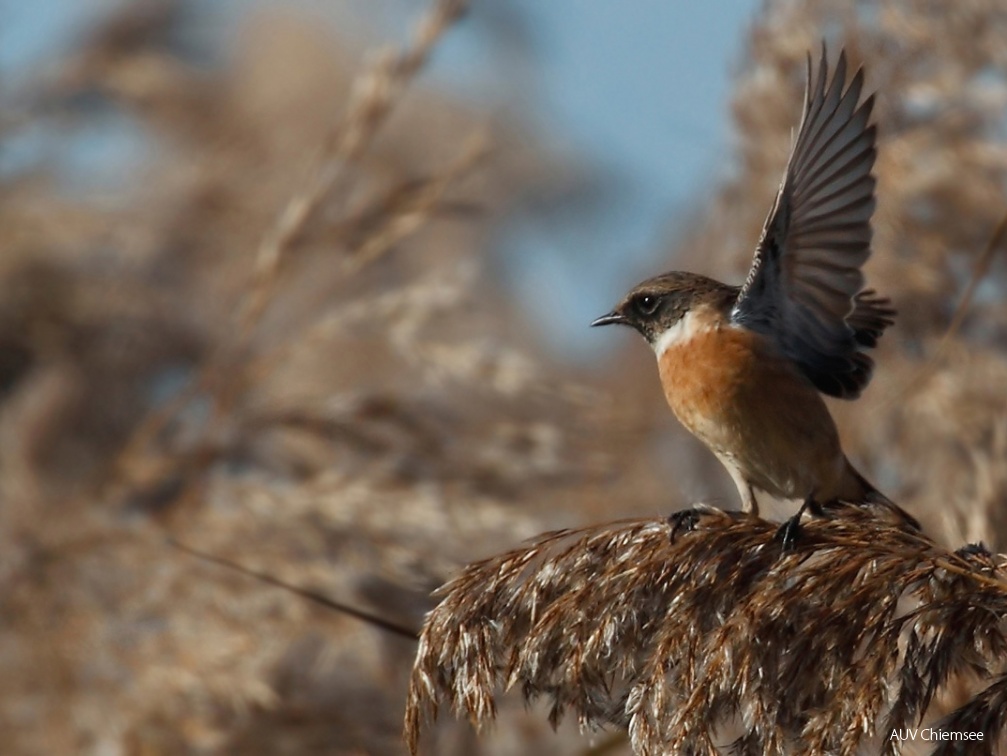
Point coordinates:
[(804, 287)]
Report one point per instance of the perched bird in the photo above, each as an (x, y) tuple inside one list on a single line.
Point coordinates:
[(743, 368)]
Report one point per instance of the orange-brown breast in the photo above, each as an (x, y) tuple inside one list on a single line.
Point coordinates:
[(755, 410)]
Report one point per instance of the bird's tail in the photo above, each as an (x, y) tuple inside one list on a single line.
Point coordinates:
[(860, 491)]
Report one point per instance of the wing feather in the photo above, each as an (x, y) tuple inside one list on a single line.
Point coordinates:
[(805, 287)]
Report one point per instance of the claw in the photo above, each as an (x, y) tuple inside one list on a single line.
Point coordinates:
[(790, 531)]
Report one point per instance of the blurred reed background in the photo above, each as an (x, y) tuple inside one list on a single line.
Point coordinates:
[(282, 342)]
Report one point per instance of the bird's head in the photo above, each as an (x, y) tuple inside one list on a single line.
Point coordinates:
[(660, 306)]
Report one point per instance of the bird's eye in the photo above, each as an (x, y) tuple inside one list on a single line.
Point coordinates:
[(646, 304)]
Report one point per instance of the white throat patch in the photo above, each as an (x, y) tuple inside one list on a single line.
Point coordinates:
[(685, 329)]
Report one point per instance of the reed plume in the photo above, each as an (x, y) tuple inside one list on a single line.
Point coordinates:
[(696, 633)]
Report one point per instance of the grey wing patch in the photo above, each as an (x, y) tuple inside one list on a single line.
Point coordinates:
[(804, 287)]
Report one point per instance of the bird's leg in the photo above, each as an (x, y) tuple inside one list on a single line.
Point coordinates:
[(748, 502), (791, 529)]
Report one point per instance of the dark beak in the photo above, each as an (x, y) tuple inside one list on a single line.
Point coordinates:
[(613, 318)]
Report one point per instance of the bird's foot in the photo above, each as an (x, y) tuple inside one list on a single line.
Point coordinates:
[(683, 521), (788, 533), (974, 550)]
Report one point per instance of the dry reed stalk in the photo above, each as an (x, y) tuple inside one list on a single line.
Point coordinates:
[(396, 216), (375, 94), (697, 633), (411, 206)]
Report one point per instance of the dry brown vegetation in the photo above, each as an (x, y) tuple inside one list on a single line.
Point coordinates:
[(279, 341), (698, 631)]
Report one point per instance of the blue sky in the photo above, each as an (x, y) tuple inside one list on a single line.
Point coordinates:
[(640, 90), (637, 91)]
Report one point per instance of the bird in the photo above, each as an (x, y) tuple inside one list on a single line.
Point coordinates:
[(744, 368)]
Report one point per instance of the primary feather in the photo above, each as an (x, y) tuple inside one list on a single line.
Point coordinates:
[(805, 287)]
